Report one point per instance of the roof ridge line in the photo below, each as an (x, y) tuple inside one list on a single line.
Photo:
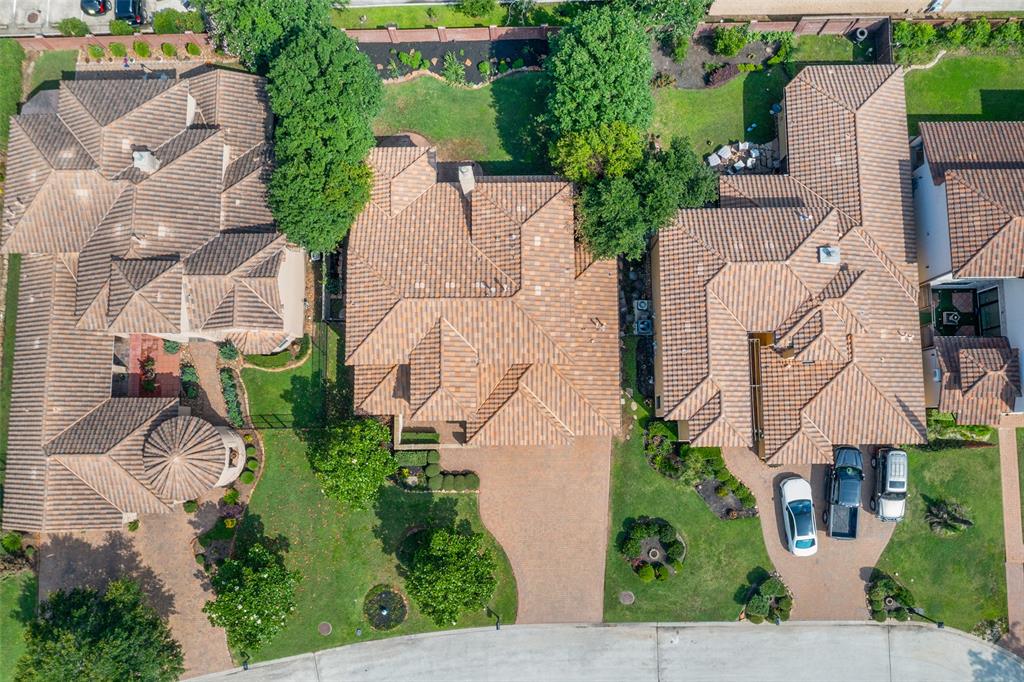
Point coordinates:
[(101, 404), (572, 387), (541, 328), (59, 460), (545, 409), (811, 84), (112, 462), (79, 141)]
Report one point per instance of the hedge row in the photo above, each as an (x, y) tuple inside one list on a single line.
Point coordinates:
[(417, 458), (229, 387), (456, 482)]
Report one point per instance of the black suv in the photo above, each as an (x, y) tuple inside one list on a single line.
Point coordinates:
[(130, 11)]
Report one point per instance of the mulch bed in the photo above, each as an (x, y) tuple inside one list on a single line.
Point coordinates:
[(727, 507), (691, 74), (470, 53)]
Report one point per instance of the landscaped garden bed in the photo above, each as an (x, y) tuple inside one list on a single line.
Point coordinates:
[(653, 548), (420, 471), (481, 60), (770, 600)]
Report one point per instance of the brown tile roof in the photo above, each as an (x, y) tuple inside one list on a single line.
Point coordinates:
[(982, 166), (845, 364), (479, 310), (980, 377), (107, 251)]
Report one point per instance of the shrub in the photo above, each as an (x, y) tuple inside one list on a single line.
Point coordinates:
[(201, 559), (411, 458), (433, 457), (645, 573), (252, 463), (747, 498), (1007, 35), (722, 75), (472, 482), (229, 388), (954, 35), (678, 565), (190, 506), (484, 68), (227, 350), (414, 60), (759, 605), (118, 50), (133, 525), (460, 482), (432, 470), (141, 48), (454, 71), (193, 49), (518, 63), (173, 21), (353, 460), (879, 615), (660, 573), (73, 27), (120, 27), (729, 40), (477, 8), (913, 35), (978, 34), (773, 587), (247, 477), (755, 619), (190, 381), (663, 79), (435, 482), (231, 496), (249, 439), (96, 51), (171, 347), (674, 549), (11, 542), (451, 572), (448, 482), (502, 67)]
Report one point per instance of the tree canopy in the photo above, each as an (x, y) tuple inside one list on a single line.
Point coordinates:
[(255, 30), (325, 95), (452, 572), (82, 634), (675, 17), (255, 593), (600, 72), (609, 150), (352, 460)]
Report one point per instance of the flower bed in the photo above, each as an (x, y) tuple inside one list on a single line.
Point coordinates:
[(384, 607), (771, 600), (420, 471), (653, 548)]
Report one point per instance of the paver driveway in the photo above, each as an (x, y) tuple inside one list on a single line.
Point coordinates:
[(548, 507), (831, 584)]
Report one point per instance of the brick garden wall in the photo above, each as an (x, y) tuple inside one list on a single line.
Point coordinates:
[(42, 43)]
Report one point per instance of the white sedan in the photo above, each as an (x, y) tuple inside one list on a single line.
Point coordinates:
[(798, 510)]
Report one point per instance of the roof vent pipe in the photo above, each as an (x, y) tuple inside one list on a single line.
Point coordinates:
[(466, 180)]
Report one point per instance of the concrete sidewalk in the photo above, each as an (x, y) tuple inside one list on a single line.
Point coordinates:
[(793, 652)]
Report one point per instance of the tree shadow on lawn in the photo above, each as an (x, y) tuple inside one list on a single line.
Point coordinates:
[(518, 102), (755, 577), (25, 607), (401, 514)]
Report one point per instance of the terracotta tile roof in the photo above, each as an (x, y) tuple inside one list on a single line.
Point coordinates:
[(481, 309), (844, 365), (108, 250), (982, 166), (980, 377)]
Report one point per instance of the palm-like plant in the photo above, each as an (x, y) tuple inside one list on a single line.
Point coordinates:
[(947, 518)]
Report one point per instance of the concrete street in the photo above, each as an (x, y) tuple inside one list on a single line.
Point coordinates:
[(792, 652)]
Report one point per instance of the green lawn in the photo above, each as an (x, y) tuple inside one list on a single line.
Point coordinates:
[(7, 366), (492, 125), (1020, 469), (960, 579), (50, 67), (341, 553), (966, 88), (11, 56), (416, 16), (829, 49), (17, 607)]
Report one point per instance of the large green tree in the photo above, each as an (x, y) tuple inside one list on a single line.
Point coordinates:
[(353, 460), (618, 214), (452, 572), (600, 72), (255, 593), (83, 634), (325, 95), (676, 17), (608, 151), (256, 30)]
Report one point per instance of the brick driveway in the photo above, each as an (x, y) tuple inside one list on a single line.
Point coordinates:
[(548, 507), (831, 584)]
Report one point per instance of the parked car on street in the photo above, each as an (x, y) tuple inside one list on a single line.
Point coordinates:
[(844, 481), (94, 8), (889, 501), (130, 11), (798, 516)]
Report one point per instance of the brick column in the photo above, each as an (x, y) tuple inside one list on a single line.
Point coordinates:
[(492, 32), (442, 34), (393, 33)]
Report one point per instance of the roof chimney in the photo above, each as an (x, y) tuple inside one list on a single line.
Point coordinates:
[(145, 161), (466, 179)]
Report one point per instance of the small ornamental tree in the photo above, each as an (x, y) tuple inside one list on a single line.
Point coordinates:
[(255, 593), (729, 40), (452, 573), (353, 460), (82, 634)]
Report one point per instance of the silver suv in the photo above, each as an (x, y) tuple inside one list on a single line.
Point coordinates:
[(889, 503)]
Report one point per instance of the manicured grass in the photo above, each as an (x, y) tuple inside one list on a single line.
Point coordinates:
[(7, 367), (11, 56), (50, 67), (410, 437), (492, 125), (17, 607), (829, 49), (416, 16), (966, 88), (278, 360), (713, 117), (721, 556), (958, 579), (1020, 469), (341, 553)]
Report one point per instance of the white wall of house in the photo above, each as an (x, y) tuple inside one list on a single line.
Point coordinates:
[(934, 260), (1011, 298)]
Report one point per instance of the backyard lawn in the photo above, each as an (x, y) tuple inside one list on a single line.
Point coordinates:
[(967, 88), (341, 553), (11, 56), (49, 68), (416, 16), (829, 50), (958, 579), (492, 125), (17, 607)]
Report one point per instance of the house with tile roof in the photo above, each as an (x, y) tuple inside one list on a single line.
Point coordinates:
[(471, 310), (138, 205), (969, 205), (786, 319)]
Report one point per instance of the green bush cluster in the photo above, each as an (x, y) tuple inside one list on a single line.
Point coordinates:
[(477, 8), (171, 347), (120, 27), (916, 41), (454, 71), (231, 496), (95, 51), (189, 381), (247, 477), (190, 506), (882, 587), (416, 458), (484, 68), (229, 387), (141, 48), (172, 21), (631, 546), (942, 426), (446, 480), (747, 68), (193, 49), (73, 27), (227, 351), (729, 40), (168, 50), (118, 50), (785, 42), (414, 60), (770, 601), (11, 542)]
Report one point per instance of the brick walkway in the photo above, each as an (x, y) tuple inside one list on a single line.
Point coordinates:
[(548, 507), (204, 358), (1014, 537), (831, 584)]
